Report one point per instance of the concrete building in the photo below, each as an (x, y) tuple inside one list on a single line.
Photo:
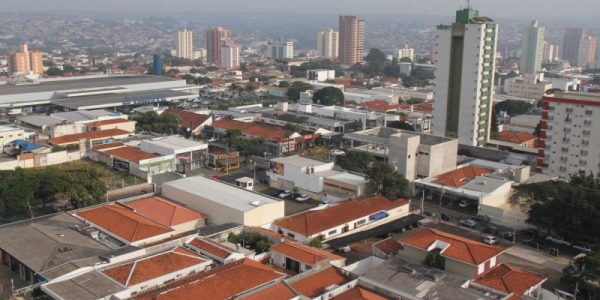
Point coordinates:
[(587, 51), (26, 62), (320, 75), (414, 155), (298, 258), (405, 52), (327, 43), (316, 178), (571, 43), (280, 49), (187, 154), (351, 46), (133, 160), (185, 44), (157, 65), (551, 52), (215, 37), (568, 138), (341, 219), (9, 134), (224, 203), (464, 78), (532, 49), (528, 86), (230, 56)]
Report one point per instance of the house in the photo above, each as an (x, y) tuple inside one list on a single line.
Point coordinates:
[(298, 257), (386, 248), (191, 122), (214, 250), (224, 203), (341, 218), (187, 154), (461, 255), (169, 213), (319, 281), (512, 281), (522, 139), (93, 136), (315, 177)]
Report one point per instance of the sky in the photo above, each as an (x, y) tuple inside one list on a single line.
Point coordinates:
[(495, 8)]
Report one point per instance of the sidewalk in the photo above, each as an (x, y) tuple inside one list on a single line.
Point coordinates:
[(539, 257)]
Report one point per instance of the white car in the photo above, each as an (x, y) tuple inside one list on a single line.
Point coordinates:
[(337, 152), (302, 198), (467, 223), (285, 194), (490, 240), (557, 240)]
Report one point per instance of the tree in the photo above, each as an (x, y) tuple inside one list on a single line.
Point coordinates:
[(296, 88), (355, 161), (329, 96), (435, 259), (68, 68), (581, 274), (316, 243), (383, 180), (54, 71), (401, 125), (513, 107), (152, 122), (284, 84), (376, 62)]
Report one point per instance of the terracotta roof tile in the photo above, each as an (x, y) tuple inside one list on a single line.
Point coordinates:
[(189, 119), (279, 291), (92, 135), (164, 211), (306, 254), (316, 221), (131, 154), (462, 249), (220, 283), (267, 131), (315, 284), (212, 247), (515, 137), (388, 246), (123, 222), (379, 105), (460, 177), (358, 293), (148, 268), (509, 279)]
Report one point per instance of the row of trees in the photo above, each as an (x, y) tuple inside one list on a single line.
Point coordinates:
[(379, 65), (21, 189), (246, 146), (300, 71), (153, 122)]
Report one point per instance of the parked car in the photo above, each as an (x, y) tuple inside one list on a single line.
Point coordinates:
[(529, 232), (463, 203), (508, 235), (302, 198), (445, 217), (490, 240), (483, 218), (490, 229), (285, 194), (557, 240), (337, 152), (215, 177), (467, 223), (583, 247)]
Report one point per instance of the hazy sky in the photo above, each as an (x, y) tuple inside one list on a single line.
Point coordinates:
[(495, 8)]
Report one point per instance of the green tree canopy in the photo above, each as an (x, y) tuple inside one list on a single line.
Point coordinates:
[(355, 161), (376, 62), (400, 125), (383, 180), (582, 275), (296, 88), (152, 122), (513, 107), (329, 96)]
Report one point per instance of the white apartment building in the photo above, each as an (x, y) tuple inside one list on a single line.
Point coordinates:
[(464, 78), (570, 127), (280, 49), (401, 53), (230, 56), (532, 49), (529, 86), (550, 52), (320, 75), (327, 43), (185, 44)]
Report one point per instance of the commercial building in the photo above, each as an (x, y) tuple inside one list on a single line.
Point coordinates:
[(528, 86), (215, 37), (532, 49), (464, 78), (587, 51), (157, 65), (224, 203), (320, 75), (230, 56), (413, 155), (341, 218), (185, 44), (327, 43), (568, 138), (405, 52), (92, 136), (25, 62), (351, 34), (280, 49), (551, 52), (133, 160), (315, 177), (187, 154), (72, 122), (571, 43)]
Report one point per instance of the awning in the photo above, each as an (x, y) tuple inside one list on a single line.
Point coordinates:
[(378, 216)]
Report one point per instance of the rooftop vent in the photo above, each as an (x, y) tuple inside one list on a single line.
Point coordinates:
[(255, 203)]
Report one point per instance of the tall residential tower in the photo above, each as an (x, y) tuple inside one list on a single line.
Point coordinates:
[(533, 49), (26, 62), (464, 78), (351, 40), (327, 43), (185, 44), (216, 37), (571, 42)]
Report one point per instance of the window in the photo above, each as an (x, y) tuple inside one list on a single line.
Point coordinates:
[(291, 235), (360, 222), (332, 232)]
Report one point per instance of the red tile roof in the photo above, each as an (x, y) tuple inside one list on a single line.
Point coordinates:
[(220, 283), (92, 135), (123, 222), (388, 246), (148, 268), (267, 131), (515, 137), (462, 249), (423, 107), (164, 211), (212, 247), (131, 154), (358, 293), (460, 177), (306, 254), (279, 291), (316, 221), (189, 119), (316, 283), (509, 279), (379, 105), (107, 122)]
